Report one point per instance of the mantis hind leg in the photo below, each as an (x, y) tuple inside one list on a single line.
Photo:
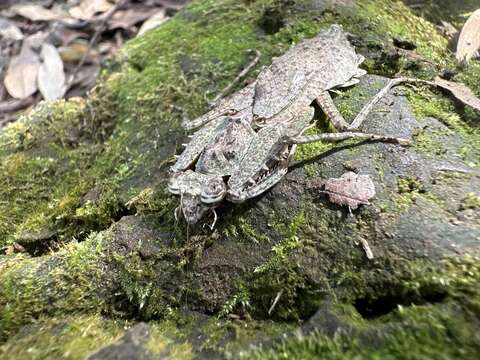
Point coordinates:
[(324, 100), (334, 137)]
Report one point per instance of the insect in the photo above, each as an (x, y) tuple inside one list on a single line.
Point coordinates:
[(243, 146)]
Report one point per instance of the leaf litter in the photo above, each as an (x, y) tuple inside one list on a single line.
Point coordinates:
[(51, 77), (53, 49), (21, 78)]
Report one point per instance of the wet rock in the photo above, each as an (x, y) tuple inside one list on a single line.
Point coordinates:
[(130, 346)]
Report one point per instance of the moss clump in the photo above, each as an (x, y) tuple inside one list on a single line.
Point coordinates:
[(71, 280), (241, 228), (69, 337), (278, 288), (410, 190), (425, 103), (45, 162), (471, 201), (286, 246), (435, 327)]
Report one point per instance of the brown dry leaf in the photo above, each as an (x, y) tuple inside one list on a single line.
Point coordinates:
[(460, 91), (155, 20), (350, 189), (469, 40), (35, 12), (21, 78), (9, 31), (89, 8), (51, 77), (125, 19)]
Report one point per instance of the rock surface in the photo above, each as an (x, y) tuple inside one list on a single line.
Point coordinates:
[(88, 230)]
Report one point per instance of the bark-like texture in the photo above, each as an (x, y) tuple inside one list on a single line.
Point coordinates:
[(83, 193)]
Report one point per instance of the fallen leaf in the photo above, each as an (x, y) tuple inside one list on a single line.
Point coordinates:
[(51, 77), (172, 4), (36, 40), (89, 8), (350, 189), (9, 31), (125, 19), (152, 22), (35, 12), (469, 39), (15, 104), (21, 78), (460, 91)]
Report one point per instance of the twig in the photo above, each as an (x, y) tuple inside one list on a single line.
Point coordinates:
[(15, 105), (275, 301), (244, 72), (108, 15), (366, 248)]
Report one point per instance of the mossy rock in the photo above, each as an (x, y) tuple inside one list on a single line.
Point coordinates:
[(88, 232)]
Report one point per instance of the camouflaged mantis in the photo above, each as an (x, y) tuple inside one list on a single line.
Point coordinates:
[(243, 146)]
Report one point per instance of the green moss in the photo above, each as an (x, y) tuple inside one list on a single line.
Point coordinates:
[(285, 247), (395, 19), (429, 142), (471, 201), (470, 76), (70, 337), (427, 104), (69, 281), (239, 302), (160, 343), (434, 327), (242, 228)]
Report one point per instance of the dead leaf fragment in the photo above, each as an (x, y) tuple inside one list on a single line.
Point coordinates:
[(89, 8), (21, 78), (350, 189), (469, 40), (9, 31), (460, 91), (35, 12), (125, 19), (51, 77), (155, 20)]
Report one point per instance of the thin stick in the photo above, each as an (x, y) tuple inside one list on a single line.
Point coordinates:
[(275, 301), (15, 105), (108, 15), (244, 72), (367, 249)]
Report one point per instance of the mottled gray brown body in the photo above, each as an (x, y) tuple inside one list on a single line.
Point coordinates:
[(243, 146)]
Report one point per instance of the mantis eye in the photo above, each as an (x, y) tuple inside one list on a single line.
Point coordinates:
[(173, 187), (215, 191)]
